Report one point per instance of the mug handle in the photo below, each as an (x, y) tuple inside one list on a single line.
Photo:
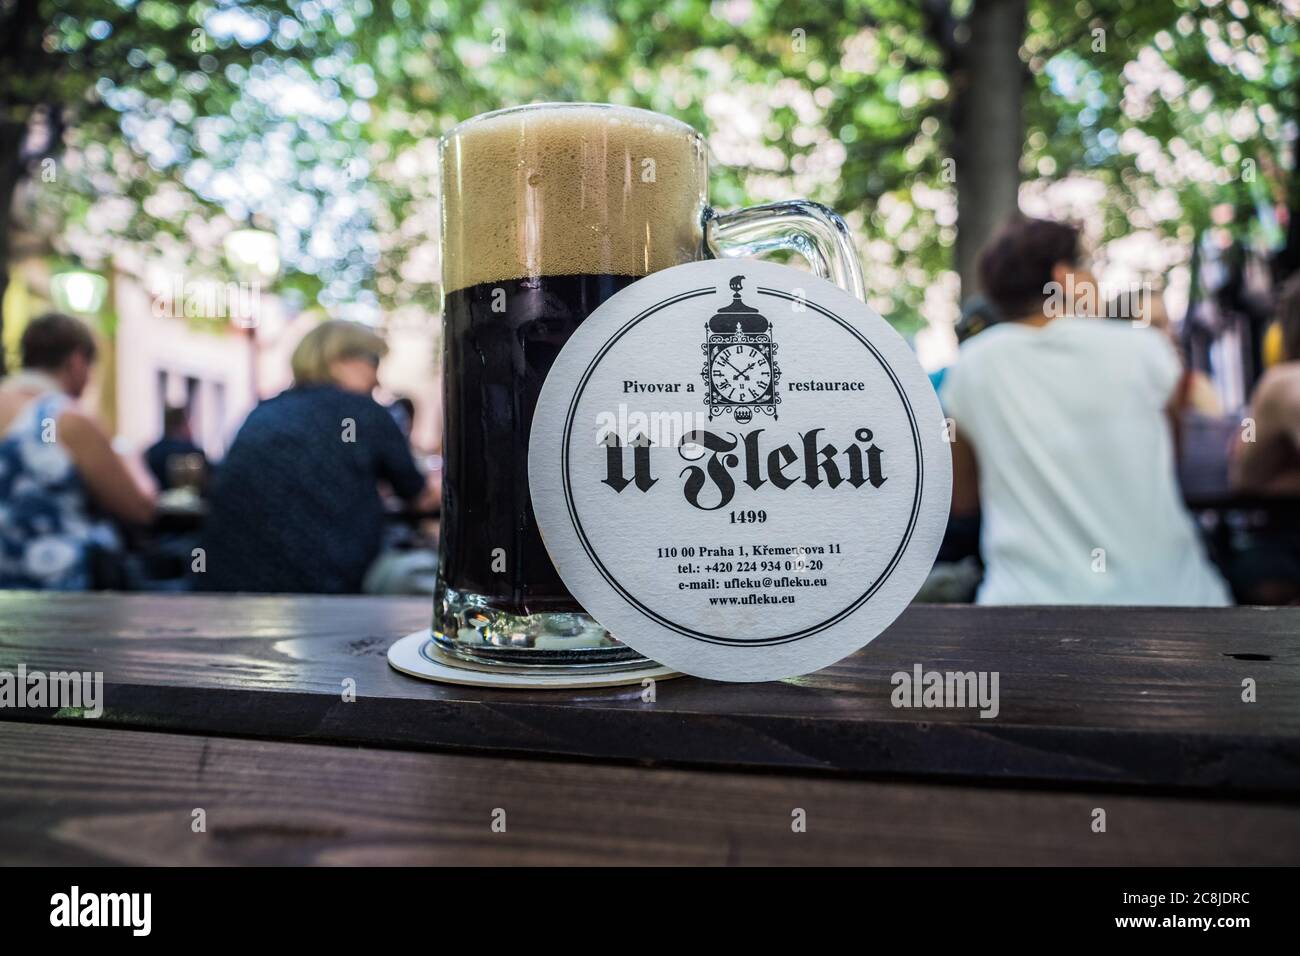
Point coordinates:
[(808, 228)]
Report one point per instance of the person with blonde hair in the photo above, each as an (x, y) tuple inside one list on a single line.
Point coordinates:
[(296, 505), (346, 354)]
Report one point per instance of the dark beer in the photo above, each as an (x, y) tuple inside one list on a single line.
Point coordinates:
[(502, 359)]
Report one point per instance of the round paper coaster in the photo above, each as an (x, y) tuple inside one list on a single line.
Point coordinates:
[(739, 470), (418, 656)]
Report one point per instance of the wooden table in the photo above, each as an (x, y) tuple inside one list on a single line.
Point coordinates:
[(235, 706)]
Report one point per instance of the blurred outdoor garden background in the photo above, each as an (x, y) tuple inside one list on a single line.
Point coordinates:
[(206, 181)]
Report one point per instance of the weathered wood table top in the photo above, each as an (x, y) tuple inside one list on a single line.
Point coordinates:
[(236, 705)]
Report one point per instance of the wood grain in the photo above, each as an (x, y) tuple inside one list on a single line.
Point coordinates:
[(1126, 697), (76, 795)]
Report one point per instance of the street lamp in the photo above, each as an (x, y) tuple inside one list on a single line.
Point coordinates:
[(78, 291), (254, 257), (253, 254)]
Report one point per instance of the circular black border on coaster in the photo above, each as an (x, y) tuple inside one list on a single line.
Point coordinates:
[(659, 618)]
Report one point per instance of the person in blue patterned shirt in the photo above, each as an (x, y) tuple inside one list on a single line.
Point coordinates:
[(296, 506), (58, 470)]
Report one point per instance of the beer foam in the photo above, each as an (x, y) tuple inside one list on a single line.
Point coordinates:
[(573, 189)]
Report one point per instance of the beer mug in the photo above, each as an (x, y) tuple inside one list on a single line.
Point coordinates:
[(547, 211)]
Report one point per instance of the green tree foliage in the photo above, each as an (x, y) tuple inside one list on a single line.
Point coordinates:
[(321, 116), (1177, 107)]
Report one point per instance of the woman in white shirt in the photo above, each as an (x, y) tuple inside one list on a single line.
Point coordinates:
[(1063, 442)]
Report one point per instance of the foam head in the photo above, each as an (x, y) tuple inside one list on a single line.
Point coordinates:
[(572, 189)]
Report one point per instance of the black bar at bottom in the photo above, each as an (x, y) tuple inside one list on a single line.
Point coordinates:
[(473, 907)]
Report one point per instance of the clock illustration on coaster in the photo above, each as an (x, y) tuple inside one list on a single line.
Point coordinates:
[(740, 370)]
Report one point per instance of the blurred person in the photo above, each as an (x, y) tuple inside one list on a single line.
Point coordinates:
[(1273, 351), (1195, 392), (295, 506), (957, 570), (403, 411), (1271, 463), (176, 442), (58, 468), (408, 562), (977, 314), (1266, 567), (1062, 440)]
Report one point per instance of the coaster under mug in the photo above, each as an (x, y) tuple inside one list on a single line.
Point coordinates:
[(417, 656)]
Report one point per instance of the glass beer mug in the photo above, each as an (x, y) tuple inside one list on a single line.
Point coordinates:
[(547, 211)]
